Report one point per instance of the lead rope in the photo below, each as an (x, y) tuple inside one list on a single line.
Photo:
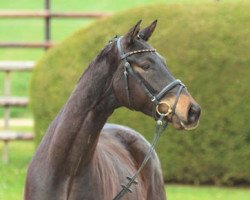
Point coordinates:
[(160, 127)]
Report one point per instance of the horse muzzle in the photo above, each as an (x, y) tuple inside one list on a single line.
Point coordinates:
[(186, 115)]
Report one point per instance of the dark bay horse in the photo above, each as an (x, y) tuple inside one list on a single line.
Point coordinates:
[(81, 158)]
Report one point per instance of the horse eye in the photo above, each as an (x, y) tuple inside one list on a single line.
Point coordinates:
[(145, 66)]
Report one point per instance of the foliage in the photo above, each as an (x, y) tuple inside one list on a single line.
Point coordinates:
[(207, 47)]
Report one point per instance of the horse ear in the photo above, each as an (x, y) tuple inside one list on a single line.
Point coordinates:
[(146, 33), (133, 32)]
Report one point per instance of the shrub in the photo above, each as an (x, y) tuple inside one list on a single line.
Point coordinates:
[(207, 47)]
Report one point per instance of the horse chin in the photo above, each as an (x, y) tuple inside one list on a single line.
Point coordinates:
[(174, 120), (180, 125), (189, 127)]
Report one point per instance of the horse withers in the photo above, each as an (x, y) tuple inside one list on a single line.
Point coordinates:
[(82, 158)]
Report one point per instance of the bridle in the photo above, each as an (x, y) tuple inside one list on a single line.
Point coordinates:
[(155, 98)]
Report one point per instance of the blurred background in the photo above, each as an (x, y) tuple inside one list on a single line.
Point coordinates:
[(47, 43)]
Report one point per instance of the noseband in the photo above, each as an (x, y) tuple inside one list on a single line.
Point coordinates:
[(155, 98)]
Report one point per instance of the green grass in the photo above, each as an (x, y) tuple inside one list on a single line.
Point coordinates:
[(13, 174), (181, 192), (13, 178), (32, 30)]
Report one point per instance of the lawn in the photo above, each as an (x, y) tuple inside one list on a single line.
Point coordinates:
[(13, 176)]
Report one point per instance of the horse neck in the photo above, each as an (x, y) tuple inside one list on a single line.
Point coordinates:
[(75, 132)]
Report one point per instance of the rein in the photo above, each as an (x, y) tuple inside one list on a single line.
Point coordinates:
[(161, 124), (160, 127)]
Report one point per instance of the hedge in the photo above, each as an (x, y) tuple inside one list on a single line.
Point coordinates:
[(207, 46)]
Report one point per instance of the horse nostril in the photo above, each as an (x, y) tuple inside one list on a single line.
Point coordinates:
[(193, 113)]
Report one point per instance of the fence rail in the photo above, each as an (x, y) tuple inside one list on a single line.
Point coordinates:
[(26, 44), (14, 136), (16, 65), (47, 14), (14, 101)]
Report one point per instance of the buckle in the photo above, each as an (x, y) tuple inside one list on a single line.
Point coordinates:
[(153, 99), (126, 64)]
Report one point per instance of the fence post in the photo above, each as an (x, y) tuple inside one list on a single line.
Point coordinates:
[(47, 22), (7, 88)]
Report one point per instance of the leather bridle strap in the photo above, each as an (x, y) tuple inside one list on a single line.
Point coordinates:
[(139, 80), (128, 70), (178, 96), (168, 87)]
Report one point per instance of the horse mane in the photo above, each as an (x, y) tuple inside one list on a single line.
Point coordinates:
[(103, 56)]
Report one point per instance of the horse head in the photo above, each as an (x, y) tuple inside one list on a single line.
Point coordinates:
[(144, 83)]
